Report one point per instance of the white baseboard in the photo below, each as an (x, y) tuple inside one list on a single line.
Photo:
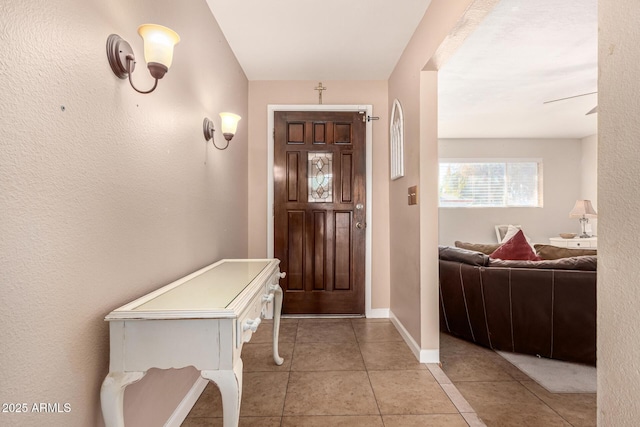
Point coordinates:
[(423, 355), (180, 414), (378, 313)]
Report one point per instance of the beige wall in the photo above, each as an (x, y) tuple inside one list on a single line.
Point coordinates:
[(264, 93), (619, 200), (414, 299), (110, 198), (589, 168), (562, 163)]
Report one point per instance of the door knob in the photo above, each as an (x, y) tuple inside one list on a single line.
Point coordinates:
[(360, 225)]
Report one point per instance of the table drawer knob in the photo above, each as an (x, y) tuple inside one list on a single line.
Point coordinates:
[(251, 324)]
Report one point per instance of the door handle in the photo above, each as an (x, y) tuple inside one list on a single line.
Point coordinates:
[(360, 225)]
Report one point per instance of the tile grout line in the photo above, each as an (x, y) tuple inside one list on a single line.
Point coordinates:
[(367, 371), (464, 408)]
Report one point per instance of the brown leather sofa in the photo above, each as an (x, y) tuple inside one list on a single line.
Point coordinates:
[(544, 308)]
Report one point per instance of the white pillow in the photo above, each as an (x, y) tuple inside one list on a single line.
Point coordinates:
[(512, 230)]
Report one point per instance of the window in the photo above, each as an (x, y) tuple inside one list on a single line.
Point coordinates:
[(490, 183)]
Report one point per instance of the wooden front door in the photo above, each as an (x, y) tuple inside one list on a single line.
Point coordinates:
[(319, 210)]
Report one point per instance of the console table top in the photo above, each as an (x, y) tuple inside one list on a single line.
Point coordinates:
[(207, 292)]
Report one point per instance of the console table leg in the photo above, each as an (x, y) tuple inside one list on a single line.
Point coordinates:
[(112, 396), (230, 385), (277, 309)]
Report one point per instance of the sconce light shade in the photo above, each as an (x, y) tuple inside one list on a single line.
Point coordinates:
[(229, 127), (229, 124), (158, 51), (158, 47)]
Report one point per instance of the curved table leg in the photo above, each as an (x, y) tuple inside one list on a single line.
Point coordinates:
[(230, 385), (112, 396), (277, 308)]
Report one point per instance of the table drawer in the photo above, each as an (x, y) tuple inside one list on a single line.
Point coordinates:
[(579, 244)]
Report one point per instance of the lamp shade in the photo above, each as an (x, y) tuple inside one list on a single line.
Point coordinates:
[(583, 209), (229, 123), (158, 43)]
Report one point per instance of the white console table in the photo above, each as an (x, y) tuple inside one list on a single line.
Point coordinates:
[(201, 320), (575, 243)]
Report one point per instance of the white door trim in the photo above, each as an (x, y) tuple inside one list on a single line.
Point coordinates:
[(368, 111)]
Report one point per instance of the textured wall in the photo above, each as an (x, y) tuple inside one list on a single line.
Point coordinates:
[(589, 167), (619, 200), (562, 164), (110, 198), (413, 251)]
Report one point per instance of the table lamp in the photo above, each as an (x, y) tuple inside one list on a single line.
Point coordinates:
[(583, 210)]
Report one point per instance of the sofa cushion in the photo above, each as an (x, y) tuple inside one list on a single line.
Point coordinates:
[(554, 252), (582, 263), (516, 248), (485, 248), (447, 253)]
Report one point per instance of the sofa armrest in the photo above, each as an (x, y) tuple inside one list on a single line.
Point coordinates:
[(448, 253)]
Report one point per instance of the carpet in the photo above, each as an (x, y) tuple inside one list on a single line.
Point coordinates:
[(554, 375)]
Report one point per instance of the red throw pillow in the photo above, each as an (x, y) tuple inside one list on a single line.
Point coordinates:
[(516, 248)]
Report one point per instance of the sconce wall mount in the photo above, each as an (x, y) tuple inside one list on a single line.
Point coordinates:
[(229, 127), (158, 51)]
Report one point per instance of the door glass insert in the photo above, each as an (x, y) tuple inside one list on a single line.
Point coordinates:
[(320, 176)]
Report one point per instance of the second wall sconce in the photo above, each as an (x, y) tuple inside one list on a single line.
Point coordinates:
[(158, 53), (229, 127)]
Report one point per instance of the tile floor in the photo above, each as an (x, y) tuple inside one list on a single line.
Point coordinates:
[(359, 372), (502, 395)]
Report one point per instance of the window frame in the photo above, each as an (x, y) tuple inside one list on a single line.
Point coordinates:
[(540, 178)]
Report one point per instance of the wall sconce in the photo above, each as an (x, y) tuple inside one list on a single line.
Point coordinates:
[(158, 53), (229, 127)]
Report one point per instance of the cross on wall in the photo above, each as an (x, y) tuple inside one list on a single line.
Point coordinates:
[(320, 88)]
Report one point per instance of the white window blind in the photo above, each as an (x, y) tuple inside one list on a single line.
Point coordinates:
[(481, 183)]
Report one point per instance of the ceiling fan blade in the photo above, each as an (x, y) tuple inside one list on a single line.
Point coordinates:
[(593, 110), (569, 97)]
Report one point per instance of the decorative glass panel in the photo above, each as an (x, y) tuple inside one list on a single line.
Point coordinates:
[(320, 175), (396, 140)]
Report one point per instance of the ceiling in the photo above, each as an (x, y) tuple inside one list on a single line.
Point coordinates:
[(522, 54), (318, 39)]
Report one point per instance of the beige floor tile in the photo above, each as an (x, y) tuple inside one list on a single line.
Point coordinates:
[(438, 373), (263, 394), (456, 398), (325, 330), (579, 409), (473, 368), (409, 392), (473, 420), (209, 404), (259, 357), (508, 403), (260, 422), (376, 332), (330, 393), (324, 356), (264, 334), (202, 422), (244, 422), (388, 356), (436, 420), (333, 421), (369, 320)]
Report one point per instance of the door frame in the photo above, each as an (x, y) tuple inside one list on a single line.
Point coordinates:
[(368, 111)]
